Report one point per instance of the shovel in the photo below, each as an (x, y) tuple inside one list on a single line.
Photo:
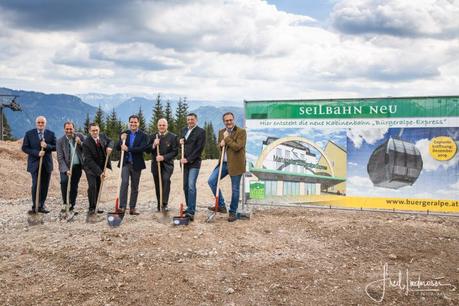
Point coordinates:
[(93, 218), (212, 214), (181, 219), (65, 213), (115, 218), (36, 218), (165, 214)]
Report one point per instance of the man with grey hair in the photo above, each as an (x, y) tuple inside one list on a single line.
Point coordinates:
[(168, 149), (39, 143), (70, 150)]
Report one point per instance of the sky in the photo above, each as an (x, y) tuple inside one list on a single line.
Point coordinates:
[(232, 50), (319, 137)]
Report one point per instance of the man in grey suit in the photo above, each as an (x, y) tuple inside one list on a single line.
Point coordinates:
[(67, 146)]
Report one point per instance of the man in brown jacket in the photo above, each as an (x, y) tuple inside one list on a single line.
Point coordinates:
[(233, 138)]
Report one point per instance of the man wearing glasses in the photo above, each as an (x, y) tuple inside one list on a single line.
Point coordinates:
[(39, 143), (233, 138)]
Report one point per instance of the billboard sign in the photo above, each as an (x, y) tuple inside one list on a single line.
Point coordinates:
[(378, 153)]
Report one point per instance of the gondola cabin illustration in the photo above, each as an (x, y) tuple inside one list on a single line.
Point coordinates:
[(395, 164)]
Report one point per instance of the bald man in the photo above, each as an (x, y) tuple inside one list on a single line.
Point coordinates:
[(39, 142), (168, 149)]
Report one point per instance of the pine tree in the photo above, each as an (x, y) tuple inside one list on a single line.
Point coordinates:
[(87, 122), (122, 126), (215, 152), (210, 148), (180, 115), (170, 117), (142, 122), (99, 119), (6, 129), (113, 130), (111, 125), (157, 114)]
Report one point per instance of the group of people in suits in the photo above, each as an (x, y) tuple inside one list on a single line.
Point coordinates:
[(76, 153)]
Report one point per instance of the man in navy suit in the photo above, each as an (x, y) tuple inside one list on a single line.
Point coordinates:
[(39, 142), (194, 140), (133, 164)]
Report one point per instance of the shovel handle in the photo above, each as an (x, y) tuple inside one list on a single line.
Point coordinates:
[(119, 178), (37, 192), (69, 179), (217, 191), (102, 181), (159, 175)]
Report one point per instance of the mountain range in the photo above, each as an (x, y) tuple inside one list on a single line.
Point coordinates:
[(58, 108)]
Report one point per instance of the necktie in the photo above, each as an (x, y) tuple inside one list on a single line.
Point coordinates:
[(97, 142), (40, 135)]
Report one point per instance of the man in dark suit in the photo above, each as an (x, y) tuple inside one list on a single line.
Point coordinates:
[(96, 147), (133, 164), (37, 143), (194, 140), (168, 149), (71, 144)]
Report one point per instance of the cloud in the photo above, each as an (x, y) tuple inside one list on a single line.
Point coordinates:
[(454, 186), (369, 135), (251, 157), (134, 56), (359, 181), (423, 18), (431, 164), (62, 15), (230, 50)]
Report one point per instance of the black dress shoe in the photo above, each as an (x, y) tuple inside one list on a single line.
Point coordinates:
[(100, 211), (133, 211), (165, 208), (232, 217), (43, 210), (120, 211), (189, 216), (32, 212), (72, 207), (220, 209)]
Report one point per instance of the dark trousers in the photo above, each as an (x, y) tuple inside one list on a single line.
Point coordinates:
[(44, 185), (166, 173), (126, 173), (93, 189), (76, 175)]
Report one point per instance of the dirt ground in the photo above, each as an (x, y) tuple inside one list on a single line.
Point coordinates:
[(282, 256)]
